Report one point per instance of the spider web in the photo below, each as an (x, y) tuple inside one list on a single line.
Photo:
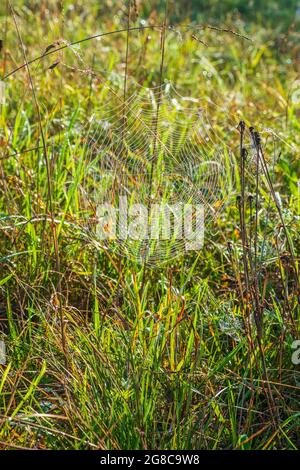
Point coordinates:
[(156, 146)]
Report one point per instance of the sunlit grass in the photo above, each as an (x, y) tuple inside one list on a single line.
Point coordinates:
[(163, 359)]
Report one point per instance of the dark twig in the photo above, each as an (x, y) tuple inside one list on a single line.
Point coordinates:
[(47, 164)]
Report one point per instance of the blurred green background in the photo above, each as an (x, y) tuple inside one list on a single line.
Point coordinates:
[(279, 13)]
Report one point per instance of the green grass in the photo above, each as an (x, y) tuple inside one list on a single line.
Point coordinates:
[(173, 362)]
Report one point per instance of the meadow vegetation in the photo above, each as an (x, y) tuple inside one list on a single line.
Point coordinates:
[(193, 354)]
